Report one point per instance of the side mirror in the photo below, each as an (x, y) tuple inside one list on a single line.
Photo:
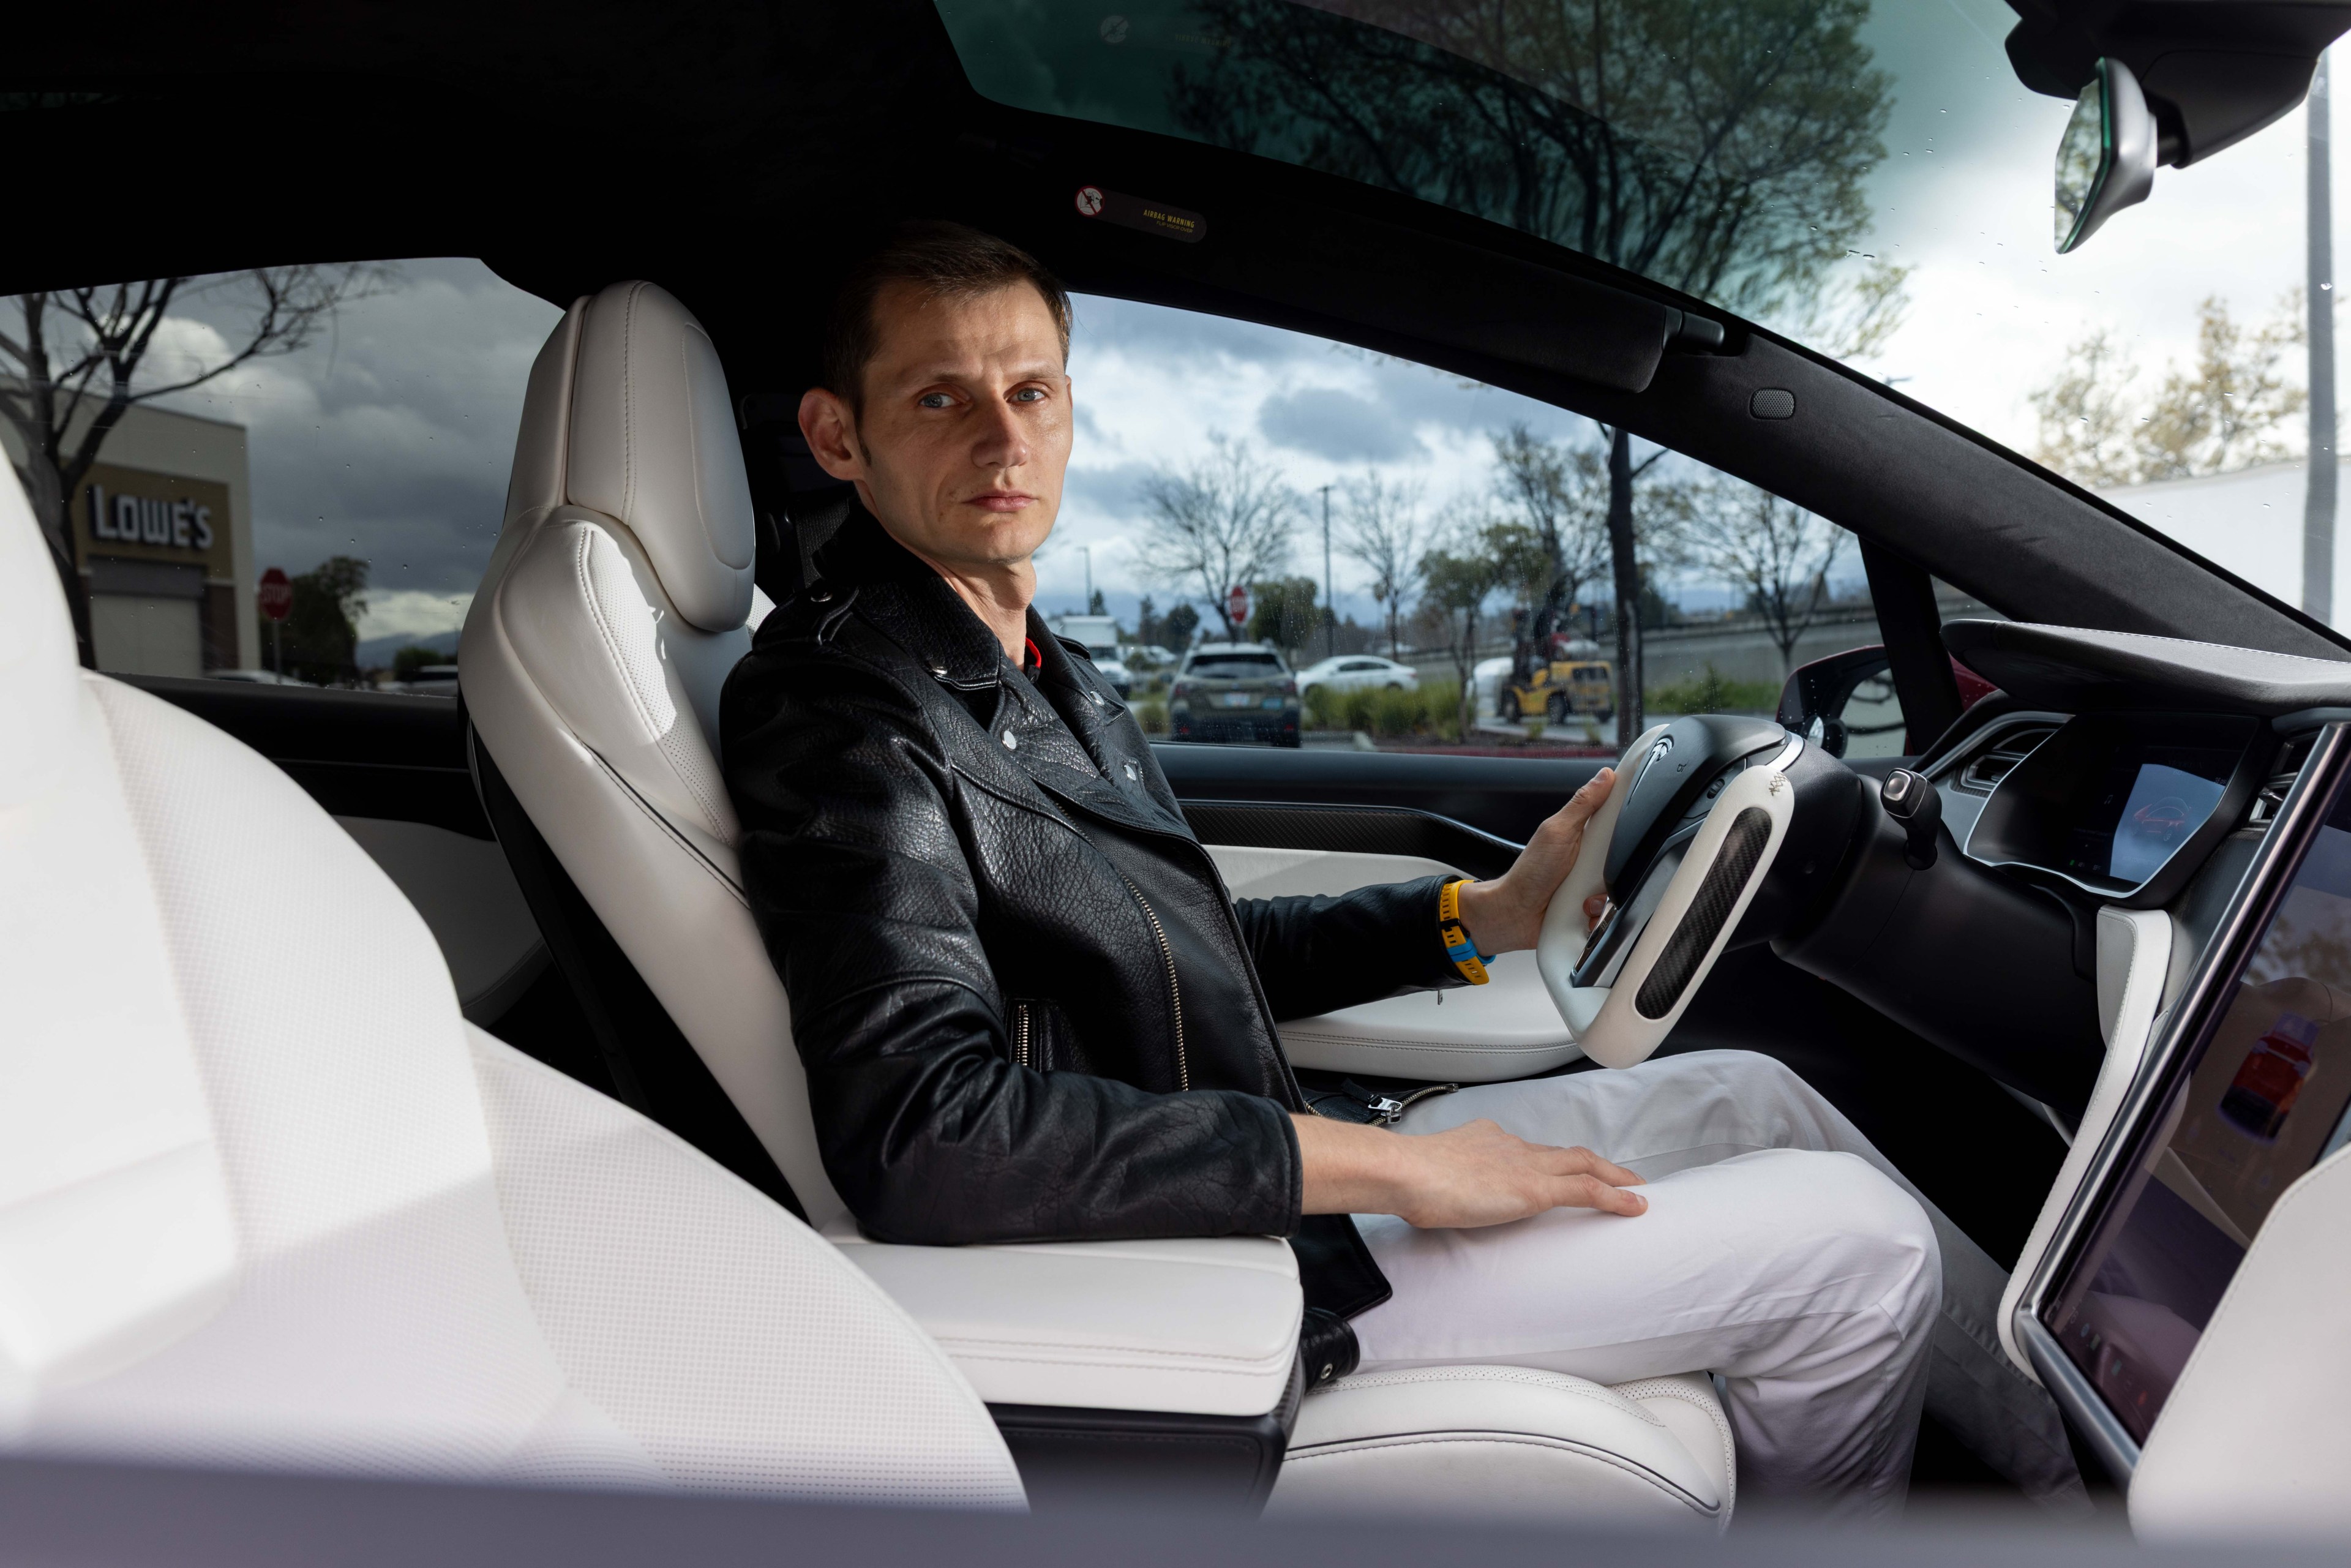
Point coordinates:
[(1812, 703), (2105, 161)]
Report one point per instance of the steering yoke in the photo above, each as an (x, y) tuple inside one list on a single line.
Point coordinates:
[(1723, 830)]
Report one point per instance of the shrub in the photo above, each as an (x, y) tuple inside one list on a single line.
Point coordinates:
[(1714, 693), (1151, 712)]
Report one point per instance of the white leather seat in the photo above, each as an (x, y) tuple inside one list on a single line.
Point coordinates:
[(266, 1199), (591, 661), (1511, 1443)]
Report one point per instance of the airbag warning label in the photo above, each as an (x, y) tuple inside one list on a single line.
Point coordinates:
[(1135, 212)]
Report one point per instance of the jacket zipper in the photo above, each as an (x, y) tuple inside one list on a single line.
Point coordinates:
[(1175, 991), (1021, 1024)]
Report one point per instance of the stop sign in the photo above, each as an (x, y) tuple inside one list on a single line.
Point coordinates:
[(275, 596), (1237, 604)]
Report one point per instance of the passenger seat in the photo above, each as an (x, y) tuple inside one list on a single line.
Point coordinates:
[(266, 1200)]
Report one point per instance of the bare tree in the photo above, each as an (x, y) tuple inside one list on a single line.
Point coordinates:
[(1721, 147), (1226, 520), (79, 360), (1382, 530), (1778, 554), (1560, 494)]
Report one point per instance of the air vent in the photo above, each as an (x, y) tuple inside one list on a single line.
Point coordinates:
[(1986, 770)]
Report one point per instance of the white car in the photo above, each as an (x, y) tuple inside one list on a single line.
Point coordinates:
[(1354, 672), (1486, 682)]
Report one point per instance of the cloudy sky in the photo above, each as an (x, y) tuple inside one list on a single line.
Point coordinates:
[(389, 437)]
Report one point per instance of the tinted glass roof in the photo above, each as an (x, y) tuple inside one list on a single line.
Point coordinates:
[(1720, 147)]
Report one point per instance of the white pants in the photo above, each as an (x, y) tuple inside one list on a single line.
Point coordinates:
[(1779, 1251)]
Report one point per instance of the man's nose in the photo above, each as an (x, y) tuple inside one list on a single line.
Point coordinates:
[(1002, 442)]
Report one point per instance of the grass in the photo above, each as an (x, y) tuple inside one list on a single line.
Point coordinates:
[(1714, 693)]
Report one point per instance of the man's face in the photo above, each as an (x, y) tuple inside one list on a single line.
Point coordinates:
[(965, 435)]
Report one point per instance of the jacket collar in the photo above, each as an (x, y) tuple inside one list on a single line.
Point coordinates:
[(1063, 730), (909, 602)]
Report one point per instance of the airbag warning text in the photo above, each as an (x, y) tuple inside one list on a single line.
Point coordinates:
[(1135, 212)]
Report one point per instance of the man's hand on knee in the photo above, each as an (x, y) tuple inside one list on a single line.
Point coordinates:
[(1472, 1174)]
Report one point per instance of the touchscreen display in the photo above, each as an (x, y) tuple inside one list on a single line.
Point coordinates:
[(2149, 802), (2263, 1102)]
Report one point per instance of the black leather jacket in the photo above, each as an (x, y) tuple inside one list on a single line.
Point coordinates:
[(1028, 1008)]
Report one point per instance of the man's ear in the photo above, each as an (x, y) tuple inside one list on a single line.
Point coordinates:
[(830, 430)]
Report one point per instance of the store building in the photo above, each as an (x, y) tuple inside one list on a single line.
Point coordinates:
[(163, 536)]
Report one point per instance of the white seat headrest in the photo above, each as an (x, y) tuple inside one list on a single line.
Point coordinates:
[(40, 671), (649, 441)]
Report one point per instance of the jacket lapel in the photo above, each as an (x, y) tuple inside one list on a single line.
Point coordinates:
[(1081, 749)]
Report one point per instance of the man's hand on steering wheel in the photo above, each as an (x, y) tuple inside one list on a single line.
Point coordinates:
[(1507, 914)]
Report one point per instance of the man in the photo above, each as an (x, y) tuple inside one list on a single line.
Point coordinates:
[(1028, 1008)]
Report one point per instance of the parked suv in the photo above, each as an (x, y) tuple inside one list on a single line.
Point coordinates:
[(1234, 692)]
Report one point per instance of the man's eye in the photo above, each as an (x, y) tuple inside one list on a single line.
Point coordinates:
[(935, 400), (1030, 394)]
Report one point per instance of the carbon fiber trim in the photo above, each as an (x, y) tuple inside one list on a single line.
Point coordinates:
[(1703, 921)]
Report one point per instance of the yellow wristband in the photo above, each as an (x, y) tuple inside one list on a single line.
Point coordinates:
[(1455, 936)]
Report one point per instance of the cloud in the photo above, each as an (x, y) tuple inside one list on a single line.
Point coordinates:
[(388, 437), (1183, 340), (408, 613), (1339, 426), (1116, 490)]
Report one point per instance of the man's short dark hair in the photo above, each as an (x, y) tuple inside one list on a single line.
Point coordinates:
[(944, 261)]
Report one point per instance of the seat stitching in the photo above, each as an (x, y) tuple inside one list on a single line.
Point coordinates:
[(1666, 1388), (1525, 1377), (1451, 1047), (668, 745), (606, 634), (669, 827), (1524, 1440), (1259, 1368), (628, 405)]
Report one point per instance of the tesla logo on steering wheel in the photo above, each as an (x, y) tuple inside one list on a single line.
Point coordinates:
[(1657, 753)]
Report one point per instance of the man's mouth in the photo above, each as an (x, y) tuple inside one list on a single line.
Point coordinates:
[(1002, 500)]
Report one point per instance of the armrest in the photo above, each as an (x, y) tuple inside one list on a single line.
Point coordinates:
[(1205, 1327), (1507, 1027)]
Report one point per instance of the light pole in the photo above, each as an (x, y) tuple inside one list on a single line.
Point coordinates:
[(1330, 590), (2318, 498), (1088, 551)]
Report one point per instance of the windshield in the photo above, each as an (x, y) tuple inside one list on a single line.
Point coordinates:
[(1869, 179), (1234, 667)]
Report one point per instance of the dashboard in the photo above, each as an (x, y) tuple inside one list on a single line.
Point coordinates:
[(2220, 800), (2123, 807)]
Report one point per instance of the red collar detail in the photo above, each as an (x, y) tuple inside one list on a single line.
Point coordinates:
[(1036, 660)]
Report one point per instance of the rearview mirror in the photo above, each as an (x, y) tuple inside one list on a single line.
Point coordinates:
[(2105, 161)]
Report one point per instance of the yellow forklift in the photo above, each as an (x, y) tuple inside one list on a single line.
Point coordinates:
[(1572, 685)]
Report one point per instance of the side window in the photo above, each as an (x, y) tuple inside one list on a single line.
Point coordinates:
[(1267, 515), (290, 473)]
